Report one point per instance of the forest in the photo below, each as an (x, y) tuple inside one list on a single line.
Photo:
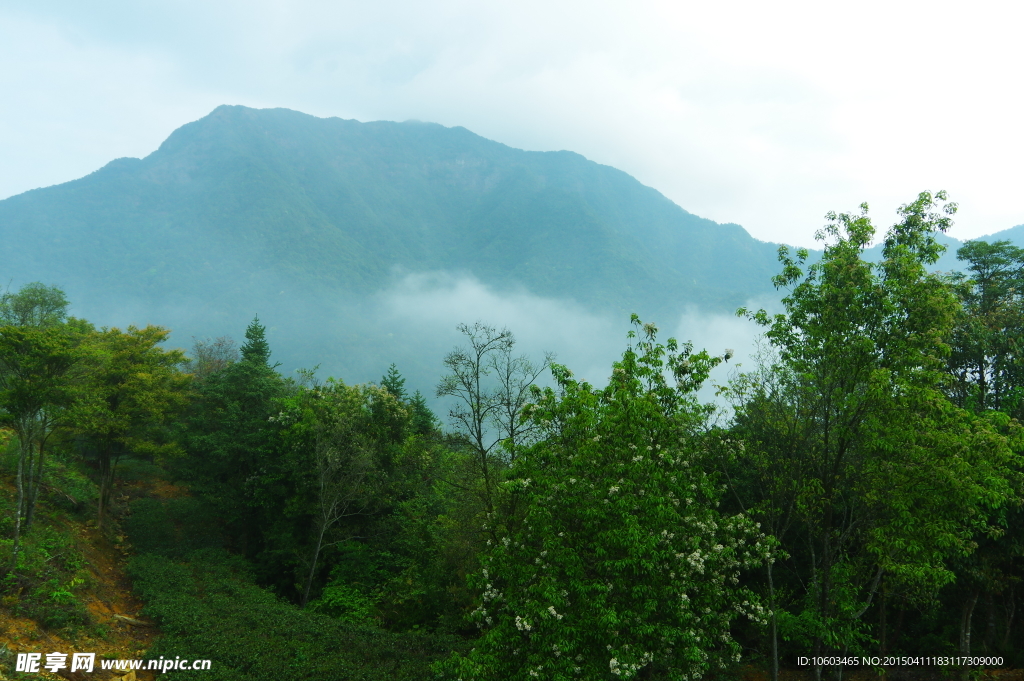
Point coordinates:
[(856, 494)]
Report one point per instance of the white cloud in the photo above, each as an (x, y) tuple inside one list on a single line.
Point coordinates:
[(423, 311)]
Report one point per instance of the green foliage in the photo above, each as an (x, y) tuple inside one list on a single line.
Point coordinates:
[(207, 608), (851, 443), (345, 603), (36, 395), (986, 358), (424, 421), (393, 382), (339, 442), (620, 559), (33, 366), (35, 305), (256, 350), (227, 443), (133, 390), (174, 527), (425, 547), (68, 486), (44, 584)]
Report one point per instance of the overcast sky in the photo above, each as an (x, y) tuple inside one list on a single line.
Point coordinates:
[(768, 114)]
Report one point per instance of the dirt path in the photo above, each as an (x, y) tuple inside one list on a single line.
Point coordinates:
[(119, 630)]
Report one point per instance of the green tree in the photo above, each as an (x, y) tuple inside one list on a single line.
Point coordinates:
[(986, 359), (335, 456), (135, 389), (889, 478), (394, 383), (621, 563), (764, 464), (34, 392), (424, 421), (225, 435), (35, 305), (987, 366)]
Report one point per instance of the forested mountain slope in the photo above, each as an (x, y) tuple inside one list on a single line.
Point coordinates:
[(246, 201)]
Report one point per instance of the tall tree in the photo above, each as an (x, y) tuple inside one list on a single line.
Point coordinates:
[(621, 563), (34, 364), (225, 435), (424, 421), (135, 389), (987, 366), (334, 452), (37, 306), (890, 478), (987, 359), (491, 387), (394, 382)]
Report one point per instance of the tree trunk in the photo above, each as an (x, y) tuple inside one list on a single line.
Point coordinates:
[(105, 484), (882, 621), (20, 483), (990, 630), (816, 584), (965, 624), (898, 631), (775, 626), (34, 483), (965, 629), (1011, 606), (312, 567)]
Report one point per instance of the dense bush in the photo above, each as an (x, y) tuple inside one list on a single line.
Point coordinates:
[(44, 584), (209, 608), (173, 527)]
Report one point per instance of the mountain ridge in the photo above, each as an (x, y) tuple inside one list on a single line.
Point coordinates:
[(251, 183)]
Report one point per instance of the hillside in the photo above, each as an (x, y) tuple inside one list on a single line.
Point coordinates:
[(248, 201)]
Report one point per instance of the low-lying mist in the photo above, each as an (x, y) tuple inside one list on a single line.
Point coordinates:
[(412, 324)]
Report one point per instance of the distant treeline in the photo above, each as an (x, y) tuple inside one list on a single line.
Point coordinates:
[(861, 497)]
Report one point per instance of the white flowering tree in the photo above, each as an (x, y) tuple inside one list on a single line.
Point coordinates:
[(621, 565)]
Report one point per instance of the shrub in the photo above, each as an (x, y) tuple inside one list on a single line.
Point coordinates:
[(208, 608)]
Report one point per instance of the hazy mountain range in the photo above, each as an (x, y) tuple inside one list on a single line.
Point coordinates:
[(321, 225)]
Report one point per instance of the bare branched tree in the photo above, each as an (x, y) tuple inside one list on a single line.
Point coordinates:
[(491, 387), (210, 356)]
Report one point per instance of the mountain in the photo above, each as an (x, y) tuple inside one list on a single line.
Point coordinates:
[(248, 199), (304, 220)]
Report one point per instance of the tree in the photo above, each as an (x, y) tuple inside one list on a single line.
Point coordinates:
[(889, 479), (333, 445), (394, 383), (41, 307), (34, 364), (621, 562), (987, 366), (491, 387), (764, 463), (212, 356), (35, 305), (226, 438), (423, 420), (986, 358), (135, 389)]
